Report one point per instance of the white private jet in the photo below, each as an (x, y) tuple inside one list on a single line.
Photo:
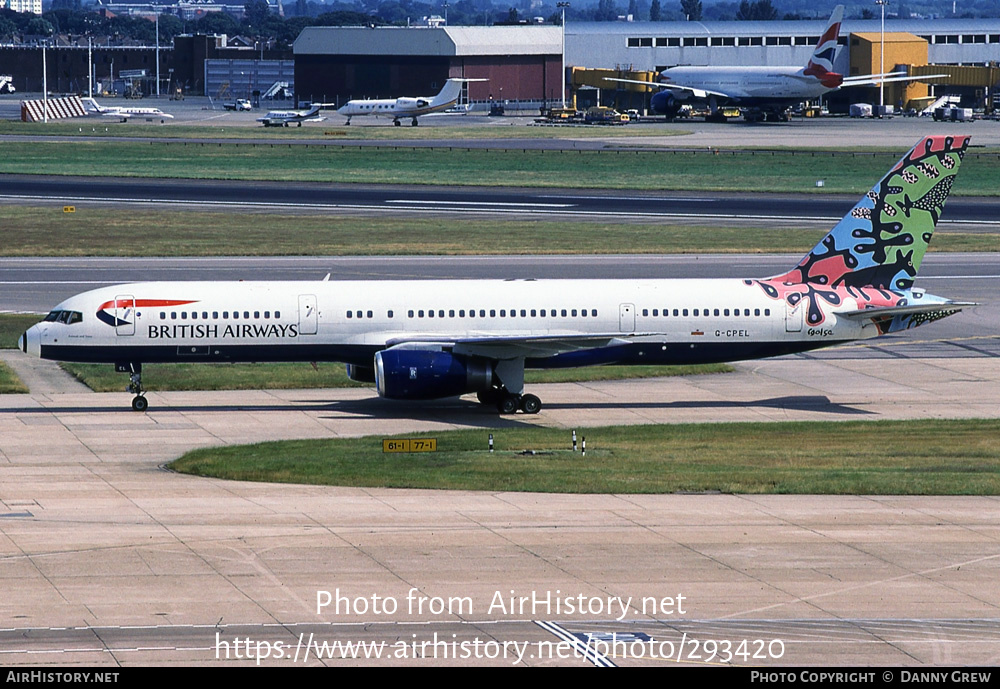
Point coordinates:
[(403, 107), (126, 112), (282, 118), (427, 339), (764, 93)]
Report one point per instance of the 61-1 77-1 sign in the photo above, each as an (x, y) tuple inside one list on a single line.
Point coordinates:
[(410, 445)]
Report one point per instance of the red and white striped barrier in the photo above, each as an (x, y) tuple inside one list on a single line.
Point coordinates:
[(59, 109)]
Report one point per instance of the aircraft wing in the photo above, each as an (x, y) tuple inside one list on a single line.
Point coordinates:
[(123, 115), (876, 79), (511, 347), (697, 93)]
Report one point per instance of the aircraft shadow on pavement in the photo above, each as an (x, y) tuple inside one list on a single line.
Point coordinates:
[(814, 403), (454, 411)]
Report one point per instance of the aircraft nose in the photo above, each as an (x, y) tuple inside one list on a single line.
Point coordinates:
[(29, 342)]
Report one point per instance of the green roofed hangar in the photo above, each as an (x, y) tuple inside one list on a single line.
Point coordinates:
[(335, 64)]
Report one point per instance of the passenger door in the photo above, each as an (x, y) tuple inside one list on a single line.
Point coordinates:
[(308, 317)]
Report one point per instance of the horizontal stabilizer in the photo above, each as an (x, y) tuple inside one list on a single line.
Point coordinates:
[(879, 311)]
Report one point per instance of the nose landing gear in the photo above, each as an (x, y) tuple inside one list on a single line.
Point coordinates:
[(139, 402)]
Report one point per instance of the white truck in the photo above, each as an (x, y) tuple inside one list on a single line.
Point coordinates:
[(238, 104)]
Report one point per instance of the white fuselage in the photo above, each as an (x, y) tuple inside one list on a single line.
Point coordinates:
[(661, 320), (748, 83)]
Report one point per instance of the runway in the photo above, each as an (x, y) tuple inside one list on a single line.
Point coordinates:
[(970, 214)]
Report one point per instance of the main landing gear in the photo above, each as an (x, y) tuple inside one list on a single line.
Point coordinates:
[(507, 402)]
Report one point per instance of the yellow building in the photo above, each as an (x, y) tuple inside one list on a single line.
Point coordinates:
[(901, 50)]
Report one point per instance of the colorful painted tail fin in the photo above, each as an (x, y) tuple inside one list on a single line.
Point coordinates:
[(882, 241)]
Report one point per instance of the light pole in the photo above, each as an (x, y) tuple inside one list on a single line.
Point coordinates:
[(562, 74), (881, 81)]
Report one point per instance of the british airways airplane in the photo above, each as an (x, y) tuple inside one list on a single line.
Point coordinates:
[(430, 339), (763, 93)]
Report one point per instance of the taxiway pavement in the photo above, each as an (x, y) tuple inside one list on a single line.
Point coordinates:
[(116, 561)]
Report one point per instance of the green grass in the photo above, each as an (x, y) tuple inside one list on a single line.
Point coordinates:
[(926, 457), (46, 231), (9, 382), (13, 325), (290, 376), (745, 171), (476, 128)]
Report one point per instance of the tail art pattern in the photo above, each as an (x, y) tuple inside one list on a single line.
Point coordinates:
[(873, 254)]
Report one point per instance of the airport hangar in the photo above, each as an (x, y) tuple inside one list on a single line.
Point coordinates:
[(334, 64)]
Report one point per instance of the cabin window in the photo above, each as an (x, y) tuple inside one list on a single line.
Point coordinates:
[(389, 313)]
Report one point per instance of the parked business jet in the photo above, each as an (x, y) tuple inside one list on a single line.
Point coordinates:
[(397, 108), (429, 339), (282, 118), (763, 93), (125, 112)]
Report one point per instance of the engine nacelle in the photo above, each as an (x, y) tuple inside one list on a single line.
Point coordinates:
[(420, 374), (411, 103), (361, 374), (665, 103)]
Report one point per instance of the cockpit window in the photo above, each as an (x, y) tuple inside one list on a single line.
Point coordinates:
[(67, 317)]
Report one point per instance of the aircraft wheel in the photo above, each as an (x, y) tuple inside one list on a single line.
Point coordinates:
[(396, 122), (508, 404), (530, 404), (139, 403)]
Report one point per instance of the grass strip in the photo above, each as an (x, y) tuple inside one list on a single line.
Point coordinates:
[(643, 170), (13, 325), (477, 129), (293, 376), (926, 457), (47, 231), (10, 384)]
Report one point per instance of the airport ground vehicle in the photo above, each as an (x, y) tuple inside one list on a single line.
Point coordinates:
[(238, 104)]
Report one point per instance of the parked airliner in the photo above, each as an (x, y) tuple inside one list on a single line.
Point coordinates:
[(397, 108), (427, 339), (761, 92), (126, 112)]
